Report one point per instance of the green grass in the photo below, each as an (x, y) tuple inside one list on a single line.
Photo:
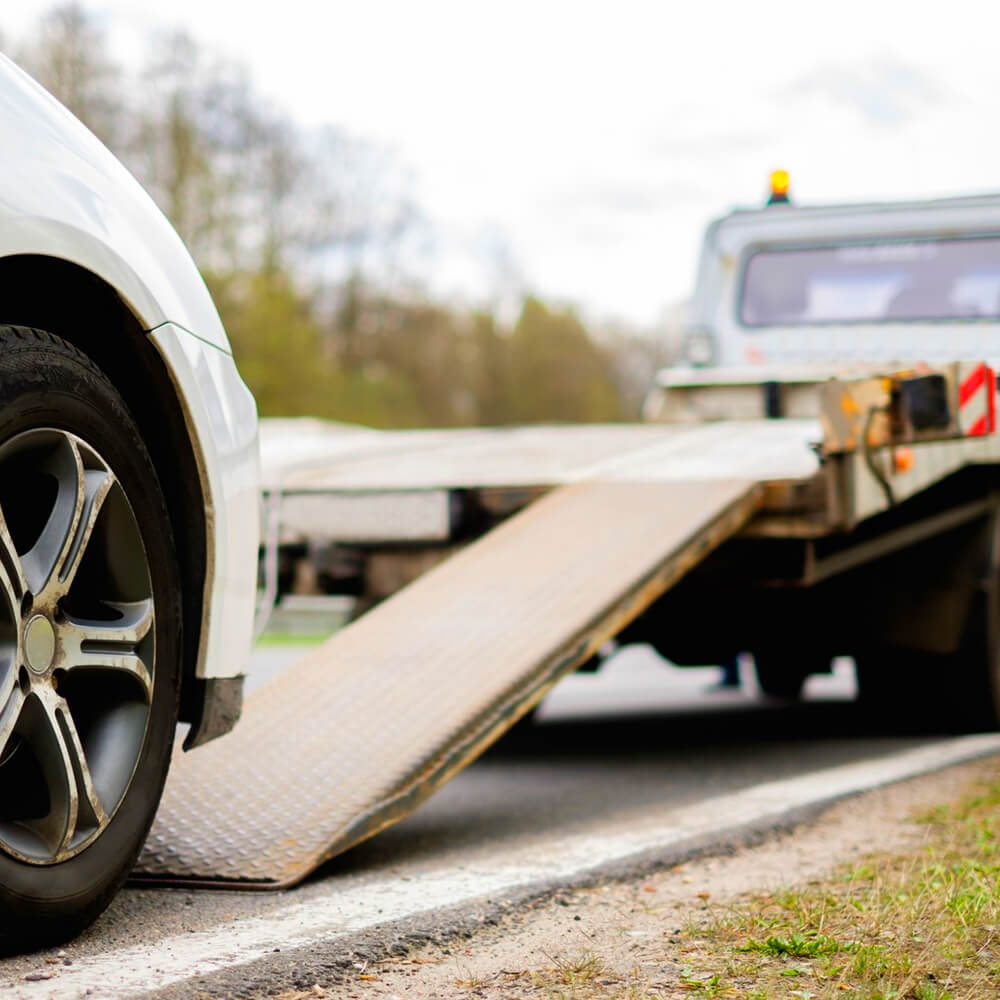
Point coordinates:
[(923, 925), (808, 945), (919, 926), (290, 639)]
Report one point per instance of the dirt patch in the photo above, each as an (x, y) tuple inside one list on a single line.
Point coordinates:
[(636, 938)]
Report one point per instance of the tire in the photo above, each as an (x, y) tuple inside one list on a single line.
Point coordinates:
[(972, 678), (782, 675), (90, 640), (896, 688), (954, 692)]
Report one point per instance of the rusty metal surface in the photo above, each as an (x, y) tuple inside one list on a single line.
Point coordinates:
[(365, 727)]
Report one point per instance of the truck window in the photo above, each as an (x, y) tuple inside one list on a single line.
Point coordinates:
[(926, 279)]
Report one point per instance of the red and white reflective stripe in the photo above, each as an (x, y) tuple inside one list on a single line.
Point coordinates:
[(977, 400)]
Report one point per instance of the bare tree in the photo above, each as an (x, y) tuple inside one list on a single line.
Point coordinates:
[(186, 146), (69, 57)]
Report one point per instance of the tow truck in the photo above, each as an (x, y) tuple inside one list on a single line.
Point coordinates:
[(819, 477)]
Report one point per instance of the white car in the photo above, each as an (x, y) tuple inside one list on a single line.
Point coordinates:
[(128, 515)]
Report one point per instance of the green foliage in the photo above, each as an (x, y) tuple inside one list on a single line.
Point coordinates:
[(556, 372), (464, 368), (280, 349)]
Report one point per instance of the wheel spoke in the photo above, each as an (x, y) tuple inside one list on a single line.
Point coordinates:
[(8, 670), (11, 571), (50, 565), (40, 728), (95, 489), (90, 644), (89, 809), (74, 805), (10, 714)]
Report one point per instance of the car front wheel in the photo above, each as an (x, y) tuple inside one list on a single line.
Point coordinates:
[(89, 639)]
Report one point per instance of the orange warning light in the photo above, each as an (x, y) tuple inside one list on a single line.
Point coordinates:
[(903, 459), (779, 187)]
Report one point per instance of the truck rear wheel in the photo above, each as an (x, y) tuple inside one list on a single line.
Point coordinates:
[(895, 687), (954, 692), (782, 674), (973, 680)]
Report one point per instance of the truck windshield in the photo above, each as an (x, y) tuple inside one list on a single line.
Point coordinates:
[(884, 282)]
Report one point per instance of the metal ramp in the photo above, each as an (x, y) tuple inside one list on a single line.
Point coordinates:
[(364, 728)]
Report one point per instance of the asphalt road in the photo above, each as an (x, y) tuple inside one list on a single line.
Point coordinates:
[(635, 736), (635, 739)]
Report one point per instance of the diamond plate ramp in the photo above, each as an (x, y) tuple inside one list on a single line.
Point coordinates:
[(365, 727)]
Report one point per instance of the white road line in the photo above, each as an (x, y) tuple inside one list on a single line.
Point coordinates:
[(140, 968)]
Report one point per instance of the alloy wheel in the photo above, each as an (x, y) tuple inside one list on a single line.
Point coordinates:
[(76, 645)]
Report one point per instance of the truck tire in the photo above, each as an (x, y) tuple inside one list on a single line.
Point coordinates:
[(947, 676), (90, 639), (896, 690), (782, 674), (955, 692), (972, 681)]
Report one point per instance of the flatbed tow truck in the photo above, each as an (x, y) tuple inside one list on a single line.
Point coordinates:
[(780, 501)]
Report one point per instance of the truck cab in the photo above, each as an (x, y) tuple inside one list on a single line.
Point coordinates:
[(786, 284)]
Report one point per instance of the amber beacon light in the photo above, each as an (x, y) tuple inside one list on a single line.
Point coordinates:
[(779, 188)]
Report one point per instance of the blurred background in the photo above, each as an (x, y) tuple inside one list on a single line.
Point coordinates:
[(445, 213)]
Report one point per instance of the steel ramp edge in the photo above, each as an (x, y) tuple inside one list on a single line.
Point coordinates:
[(361, 730)]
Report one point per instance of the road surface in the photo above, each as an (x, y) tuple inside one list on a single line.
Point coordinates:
[(637, 762)]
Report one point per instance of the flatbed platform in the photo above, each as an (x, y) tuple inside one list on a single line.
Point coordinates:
[(306, 455), (354, 485), (365, 727)]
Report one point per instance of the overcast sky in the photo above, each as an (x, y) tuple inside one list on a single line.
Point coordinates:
[(593, 141)]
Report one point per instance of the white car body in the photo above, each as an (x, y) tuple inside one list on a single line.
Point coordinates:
[(719, 336), (67, 203)]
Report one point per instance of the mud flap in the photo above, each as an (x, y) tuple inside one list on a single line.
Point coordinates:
[(364, 728)]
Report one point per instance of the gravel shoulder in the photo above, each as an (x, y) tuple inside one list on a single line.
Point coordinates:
[(632, 936)]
